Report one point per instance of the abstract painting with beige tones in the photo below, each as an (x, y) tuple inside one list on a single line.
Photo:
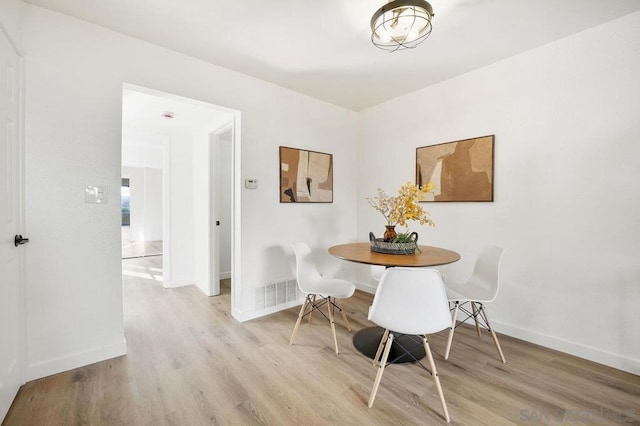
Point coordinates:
[(305, 176), (460, 171)]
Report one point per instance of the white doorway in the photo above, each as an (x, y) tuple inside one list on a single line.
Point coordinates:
[(223, 167), (213, 169), (141, 212), (156, 122)]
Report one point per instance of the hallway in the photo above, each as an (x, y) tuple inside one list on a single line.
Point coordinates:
[(133, 249)]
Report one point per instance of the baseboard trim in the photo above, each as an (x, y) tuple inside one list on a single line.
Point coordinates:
[(366, 287), (573, 348), (179, 283), (80, 359), (225, 275)]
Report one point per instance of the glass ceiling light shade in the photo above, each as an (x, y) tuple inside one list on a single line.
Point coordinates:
[(401, 24)]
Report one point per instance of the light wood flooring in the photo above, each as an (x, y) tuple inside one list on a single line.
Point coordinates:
[(191, 363), (132, 249)]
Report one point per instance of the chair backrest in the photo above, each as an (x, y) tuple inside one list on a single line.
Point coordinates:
[(486, 272), (411, 301), (376, 271), (307, 273)]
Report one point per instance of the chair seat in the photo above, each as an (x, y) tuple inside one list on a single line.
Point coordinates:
[(333, 287), (463, 292)]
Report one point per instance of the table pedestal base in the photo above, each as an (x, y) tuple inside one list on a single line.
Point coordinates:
[(367, 341)]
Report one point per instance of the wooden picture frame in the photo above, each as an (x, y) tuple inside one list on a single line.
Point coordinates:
[(305, 176), (460, 170)]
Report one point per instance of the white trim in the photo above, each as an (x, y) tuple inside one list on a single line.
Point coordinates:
[(247, 316), (166, 213), (79, 359), (225, 128), (236, 217), (178, 283), (573, 348), (225, 275), (366, 287), (13, 45)]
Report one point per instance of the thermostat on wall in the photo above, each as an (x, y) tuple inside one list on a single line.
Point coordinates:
[(251, 183)]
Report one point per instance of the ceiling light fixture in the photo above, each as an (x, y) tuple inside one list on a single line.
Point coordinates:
[(401, 24)]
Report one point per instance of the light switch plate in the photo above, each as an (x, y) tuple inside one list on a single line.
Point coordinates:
[(251, 183), (95, 194)]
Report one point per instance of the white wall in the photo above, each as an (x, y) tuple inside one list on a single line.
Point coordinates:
[(142, 149), (567, 181), (153, 204), (202, 211), (11, 21), (181, 210), (74, 77), (136, 201)]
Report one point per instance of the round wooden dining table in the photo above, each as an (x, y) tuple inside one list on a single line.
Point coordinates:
[(406, 348), (425, 256)]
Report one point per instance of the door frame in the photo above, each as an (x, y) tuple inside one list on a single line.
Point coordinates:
[(236, 193)]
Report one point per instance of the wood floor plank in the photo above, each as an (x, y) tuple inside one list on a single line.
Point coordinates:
[(190, 363)]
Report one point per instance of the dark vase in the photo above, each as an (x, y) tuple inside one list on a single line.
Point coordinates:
[(390, 234)]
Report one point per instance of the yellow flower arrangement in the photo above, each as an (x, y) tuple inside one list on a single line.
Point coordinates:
[(403, 207)]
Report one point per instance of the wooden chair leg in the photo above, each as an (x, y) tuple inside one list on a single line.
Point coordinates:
[(344, 316), (300, 315), (313, 304), (475, 317), (436, 379), (332, 321), (385, 336), (493, 333), (451, 330), (383, 364)]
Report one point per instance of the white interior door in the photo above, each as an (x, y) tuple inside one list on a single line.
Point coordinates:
[(10, 190), (214, 260), (221, 165)]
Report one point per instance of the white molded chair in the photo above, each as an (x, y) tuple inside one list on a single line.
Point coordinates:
[(376, 271), (409, 301), (482, 287), (330, 291)]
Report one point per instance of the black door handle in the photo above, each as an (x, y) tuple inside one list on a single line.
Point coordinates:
[(18, 240)]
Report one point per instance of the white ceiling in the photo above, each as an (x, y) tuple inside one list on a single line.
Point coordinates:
[(143, 124), (143, 112), (323, 48)]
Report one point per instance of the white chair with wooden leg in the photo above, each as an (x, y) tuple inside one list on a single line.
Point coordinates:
[(319, 291), (481, 288), (410, 301)]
